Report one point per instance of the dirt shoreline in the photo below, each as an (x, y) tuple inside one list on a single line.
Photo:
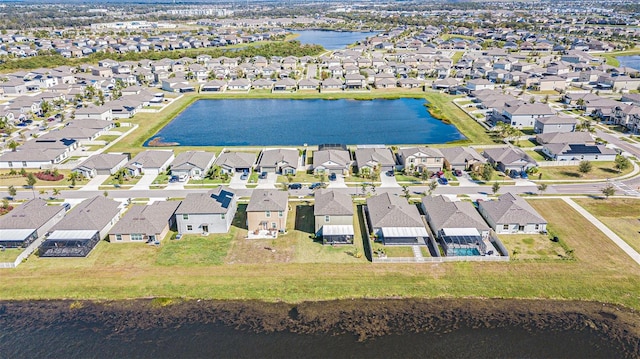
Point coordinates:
[(364, 318)]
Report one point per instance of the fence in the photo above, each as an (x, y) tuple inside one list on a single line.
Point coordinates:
[(22, 256), (557, 163), (442, 259)]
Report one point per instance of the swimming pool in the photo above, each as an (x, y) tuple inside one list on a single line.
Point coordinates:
[(465, 251)]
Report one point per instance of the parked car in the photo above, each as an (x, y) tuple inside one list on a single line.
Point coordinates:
[(523, 174), (332, 177), (390, 173), (316, 185), (443, 181), (173, 179), (440, 174), (244, 176), (263, 175), (514, 174), (295, 186), (457, 173)]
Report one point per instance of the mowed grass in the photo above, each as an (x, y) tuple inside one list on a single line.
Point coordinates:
[(600, 272), (193, 250), (532, 247), (10, 254), (621, 215), (600, 170)]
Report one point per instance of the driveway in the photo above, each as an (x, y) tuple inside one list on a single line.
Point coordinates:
[(466, 181), (269, 182), (236, 182), (94, 183), (388, 181), (176, 185), (145, 181), (338, 183)]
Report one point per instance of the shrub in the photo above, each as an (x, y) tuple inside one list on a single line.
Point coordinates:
[(49, 176)]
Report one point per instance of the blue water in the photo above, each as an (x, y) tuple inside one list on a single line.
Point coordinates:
[(630, 61), (272, 122), (332, 40), (466, 251)]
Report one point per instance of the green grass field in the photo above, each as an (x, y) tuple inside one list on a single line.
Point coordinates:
[(601, 170), (621, 215)]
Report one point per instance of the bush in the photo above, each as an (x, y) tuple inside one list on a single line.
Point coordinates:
[(49, 176)]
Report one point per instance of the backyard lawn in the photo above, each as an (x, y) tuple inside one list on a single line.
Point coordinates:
[(533, 247), (621, 215), (10, 254)]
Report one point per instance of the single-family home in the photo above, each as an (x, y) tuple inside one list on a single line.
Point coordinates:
[(333, 212), (462, 158), (510, 213), (555, 124), (149, 162), (336, 161), (28, 222), (578, 152), (457, 225), (231, 162), (267, 213), (101, 164), (374, 158), (480, 84), (279, 160), (145, 223), (210, 212), (394, 221), (192, 164), (81, 228), (419, 159), (509, 158), (522, 115), (579, 137)]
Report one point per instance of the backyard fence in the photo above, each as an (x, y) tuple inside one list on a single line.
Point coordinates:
[(22, 256), (558, 163)]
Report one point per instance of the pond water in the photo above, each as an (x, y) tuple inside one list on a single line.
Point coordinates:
[(630, 61), (280, 122), (331, 40)]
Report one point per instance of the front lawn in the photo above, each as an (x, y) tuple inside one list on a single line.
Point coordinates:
[(621, 215), (600, 170)]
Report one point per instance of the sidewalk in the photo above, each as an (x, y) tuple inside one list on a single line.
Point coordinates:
[(609, 233)]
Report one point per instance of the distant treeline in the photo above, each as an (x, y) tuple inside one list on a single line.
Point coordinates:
[(281, 48)]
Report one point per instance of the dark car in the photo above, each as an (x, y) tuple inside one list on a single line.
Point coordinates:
[(457, 173), (173, 179), (390, 173), (443, 181), (263, 175), (523, 174), (514, 174), (244, 175), (295, 186), (316, 185), (332, 177)]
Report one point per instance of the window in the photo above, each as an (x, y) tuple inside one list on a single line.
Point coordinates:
[(118, 237), (185, 216), (24, 163), (267, 214), (520, 228), (10, 164), (189, 227), (537, 227), (505, 227), (136, 236), (222, 216), (326, 219), (280, 214), (273, 225)]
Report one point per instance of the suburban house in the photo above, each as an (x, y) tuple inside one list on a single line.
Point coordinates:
[(578, 152), (267, 213), (149, 162), (333, 212), (192, 164), (555, 124), (336, 161), (462, 158), (231, 162), (565, 137), (371, 158), (28, 222), (394, 221), (509, 158), (457, 225), (522, 115), (82, 228), (204, 213), (145, 223), (512, 214), (279, 160), (33, 158), (419, 159), (101, 164)]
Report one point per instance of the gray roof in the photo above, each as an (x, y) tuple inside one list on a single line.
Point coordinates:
[(190, 159), (33, 154), (236, 159), (530, 109), (443, 213), (508, 155), (91, 214), (510, 208), (151, 159), (557, 120), (268, 200), (461, 155), (332, 203), (216, 201), (387, 210), (146, 219), (565, 137), (103, 161), (420, 152), (339, 158), (379, 156), (278, 156), (31, 215)]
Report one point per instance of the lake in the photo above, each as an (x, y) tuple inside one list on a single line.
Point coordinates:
[(331, 40), (630, 61), (285, 122)]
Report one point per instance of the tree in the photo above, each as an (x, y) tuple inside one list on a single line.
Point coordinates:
[(621, 163), (495, 187), (542, 187), (105, 194), (13, 145), (12, 191), (585, 167), (487, 172), (608, 190), (73, 177), (405, 191), (55, 192), (432, 186), (31, 180), (586, 126)]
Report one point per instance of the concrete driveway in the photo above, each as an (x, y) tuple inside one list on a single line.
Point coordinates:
[(94, 183), (145, 181), (269, 182), (338, 183), (236, 182), (388, 181), (176, 185), (466, 181)]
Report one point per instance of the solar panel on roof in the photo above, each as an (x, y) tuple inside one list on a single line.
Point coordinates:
[(583, 149), (224, 197)]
